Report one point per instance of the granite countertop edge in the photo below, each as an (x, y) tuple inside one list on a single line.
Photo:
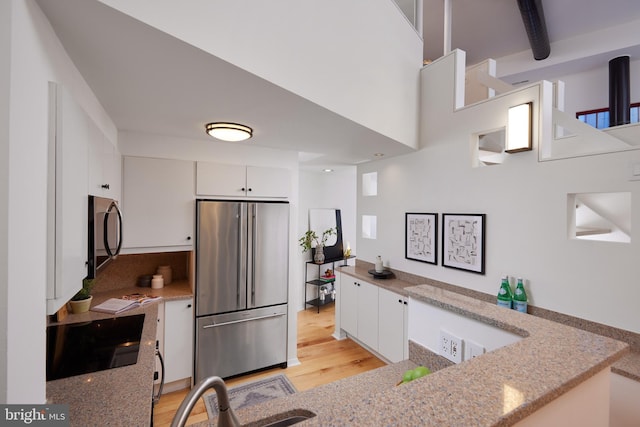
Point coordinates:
[(107, 395), (628, 365), (468, 389)]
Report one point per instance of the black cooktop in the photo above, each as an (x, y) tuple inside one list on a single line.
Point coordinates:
[(81, 348)]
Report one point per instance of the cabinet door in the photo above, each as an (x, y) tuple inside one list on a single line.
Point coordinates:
[(67, 199), (178, 339), (159, 203), (391, 330), (267, 182), (104, 166), (368, 314), (160, 340), (349, 305), (216, 179)]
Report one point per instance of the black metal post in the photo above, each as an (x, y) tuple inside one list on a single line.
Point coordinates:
[(619, 92)]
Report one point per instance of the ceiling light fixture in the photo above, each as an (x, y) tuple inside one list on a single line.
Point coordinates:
[(229, 131)]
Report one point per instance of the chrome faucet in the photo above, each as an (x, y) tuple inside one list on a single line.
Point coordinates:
[(226, 416)]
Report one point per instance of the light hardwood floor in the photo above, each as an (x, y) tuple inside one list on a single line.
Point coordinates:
[(323, 359)]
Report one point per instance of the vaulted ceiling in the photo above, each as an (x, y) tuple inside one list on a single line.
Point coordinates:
[(150, 82)]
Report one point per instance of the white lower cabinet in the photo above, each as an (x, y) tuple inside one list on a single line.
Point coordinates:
[(374, 316), (392, 330), (178, 339), (359, 310)]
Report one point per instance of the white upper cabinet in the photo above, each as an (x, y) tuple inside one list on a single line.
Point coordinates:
[(105, 166), (268, 182), (223, 180), (67, 202), (158, 203)]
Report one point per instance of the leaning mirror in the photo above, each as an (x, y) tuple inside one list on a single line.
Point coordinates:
[(323, 219)]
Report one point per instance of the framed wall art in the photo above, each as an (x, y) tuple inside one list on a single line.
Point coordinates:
[(421, 237), (463, 244)]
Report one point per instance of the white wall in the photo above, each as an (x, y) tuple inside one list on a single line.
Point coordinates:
[(359, 59), (5, 83), (527, 221), (321, 190), (427, 320), (36, 58)]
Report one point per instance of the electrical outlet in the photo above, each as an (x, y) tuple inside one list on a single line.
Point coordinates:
[(451, 346), (445, 343), (473, 349)]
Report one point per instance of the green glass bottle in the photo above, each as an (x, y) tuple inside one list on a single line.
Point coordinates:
[(520, 298), (505, 296)]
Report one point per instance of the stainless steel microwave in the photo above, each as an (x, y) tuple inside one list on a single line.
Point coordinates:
[(105, 233)]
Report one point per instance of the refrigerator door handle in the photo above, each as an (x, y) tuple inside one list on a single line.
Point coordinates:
[(233, 322), (241, 256), (252, 272)]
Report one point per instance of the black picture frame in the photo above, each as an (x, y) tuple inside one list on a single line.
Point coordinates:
[(421, 237), (463, 242)]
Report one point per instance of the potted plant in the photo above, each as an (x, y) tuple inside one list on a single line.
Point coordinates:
[(81, 301), (310, 237)]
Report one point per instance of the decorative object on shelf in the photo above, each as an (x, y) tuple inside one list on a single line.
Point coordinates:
[(384, 274), (166, 273), (378, 264), (81, 301), (311, 237), (144, 281), (323, 292), (157, 282), (347, 251), (328, 276), (318, 256), (421, 237), (463, 245)]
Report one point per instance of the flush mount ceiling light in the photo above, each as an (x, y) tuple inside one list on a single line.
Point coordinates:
[(519, 129), (229, 131)]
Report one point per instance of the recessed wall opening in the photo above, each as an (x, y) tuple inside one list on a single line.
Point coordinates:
[(488, 148), (370, 184), (600, 216), (369, 226)]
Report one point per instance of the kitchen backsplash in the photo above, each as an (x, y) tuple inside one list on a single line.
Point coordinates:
[(124, 271)]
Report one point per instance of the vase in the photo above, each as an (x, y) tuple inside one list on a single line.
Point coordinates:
[(318, 256)]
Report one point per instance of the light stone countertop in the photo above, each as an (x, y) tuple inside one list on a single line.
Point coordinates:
[(627, 366), (120, 396), (470, 391)]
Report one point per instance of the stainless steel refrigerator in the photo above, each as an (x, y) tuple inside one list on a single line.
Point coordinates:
[(242, 266)]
